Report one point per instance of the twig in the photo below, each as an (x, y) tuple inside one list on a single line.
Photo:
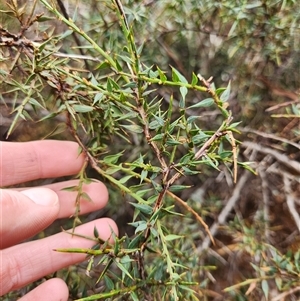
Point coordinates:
[(171, 53), (148, 136), (290, 201), (265, 196), (14, 40), (191, 210), (227, 209), (234, 154), (202, 151), (23, 42), (121, 10), (269, 136), (208, 143), (278, 91), (283, 159), (283, 295), (167, 183), (75, 37), (289, 127), (76, 56), (284, 104)]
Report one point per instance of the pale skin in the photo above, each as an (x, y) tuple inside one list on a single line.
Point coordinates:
[(25, 212)]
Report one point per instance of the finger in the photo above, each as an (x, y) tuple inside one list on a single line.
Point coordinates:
[(22, 218), (27, 262), (26, 213), (97, 197), (52, 290), (26, 161)]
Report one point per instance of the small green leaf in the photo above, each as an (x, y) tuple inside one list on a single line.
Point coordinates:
[(157, 137), (126, 59), (34, 102), (143, 208), (141, 227), (109, 284), (147, 92), (144, 174), (203, 104), (172, 237), (172, 142), (162, 76), (178, 77), (278, 281), (133, 128), (103, 65), (70, 188), (134, 296), (175, 188), (112, 159), (126, 259), (194, 79), (220, 90), (113, 84), (183, 92), (158, 122), (86, 197), (96, 233), (125, 179), (123, 269), (66, 34), (186, 158), (211, 163), (112, 170), (82, 108), (98, 97), (45, 19), (191, 119), (199, 138), (225, 95), (155, 124), (109, 86), (93, 80), (25, 115), (122, 116), (234, 125), (169, 211), (142, 192), (265, 288), (190, 172), (225, 154), (118, 65), (152, 199), (130, 85)]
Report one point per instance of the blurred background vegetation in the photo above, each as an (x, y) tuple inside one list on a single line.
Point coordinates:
[(255, 46)]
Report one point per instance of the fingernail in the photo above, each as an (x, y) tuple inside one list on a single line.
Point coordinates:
[(42, 196)]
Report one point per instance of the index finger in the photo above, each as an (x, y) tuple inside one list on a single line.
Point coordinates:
[(26, 161)]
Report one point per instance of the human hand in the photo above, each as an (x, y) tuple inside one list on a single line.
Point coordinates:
[(27, 211)]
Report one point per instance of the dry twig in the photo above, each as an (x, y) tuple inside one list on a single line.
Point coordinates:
[(269, 136), (290, 200), (265, 195), (227, 209), (283, 159)]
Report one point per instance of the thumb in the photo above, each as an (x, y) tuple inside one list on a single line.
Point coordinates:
[(26, 213)]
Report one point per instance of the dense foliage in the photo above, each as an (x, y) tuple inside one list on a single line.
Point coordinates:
[(189, 112)]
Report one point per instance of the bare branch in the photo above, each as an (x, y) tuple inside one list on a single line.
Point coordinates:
[(290, 200), (269, 136), (226, 210), (283, 159)]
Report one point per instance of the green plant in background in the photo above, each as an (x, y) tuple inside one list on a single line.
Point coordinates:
[(117, 101), (142, 125)]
